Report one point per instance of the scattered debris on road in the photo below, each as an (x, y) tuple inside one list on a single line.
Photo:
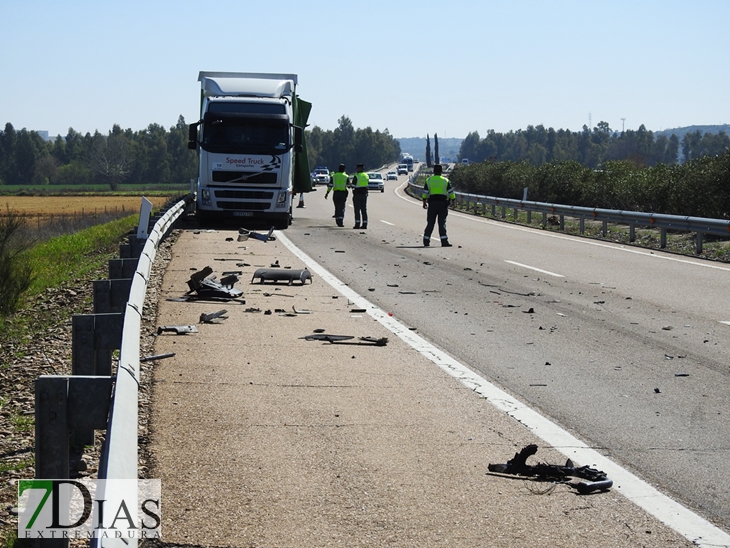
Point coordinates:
[(177, 329), (517, 466), (341, 339), (210, 318), (276, 275), (209, 288)]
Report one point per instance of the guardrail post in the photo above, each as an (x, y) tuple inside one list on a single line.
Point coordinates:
[(51, 437), (582, 225), (122, 268), (51, 427), (65, 405), (632, 232), (98, 336), (133, 249), (111, 295), (93, 339), (698, 246)]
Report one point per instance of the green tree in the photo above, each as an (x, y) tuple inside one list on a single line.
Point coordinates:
[(110, 157), (436, 149), (428, 151)]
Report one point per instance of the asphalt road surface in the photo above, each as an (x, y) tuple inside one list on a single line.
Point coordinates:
[(623, 347)]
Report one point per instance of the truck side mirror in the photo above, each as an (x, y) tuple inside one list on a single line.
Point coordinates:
[(193, 135), (298, 139)]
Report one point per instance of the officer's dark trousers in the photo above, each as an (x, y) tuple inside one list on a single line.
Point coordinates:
[(360, 203), (339, 197), (437, 211)]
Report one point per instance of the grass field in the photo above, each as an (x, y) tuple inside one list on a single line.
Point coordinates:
[(70, 205)]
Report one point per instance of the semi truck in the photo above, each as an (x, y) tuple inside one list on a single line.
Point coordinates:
[(252, 149)]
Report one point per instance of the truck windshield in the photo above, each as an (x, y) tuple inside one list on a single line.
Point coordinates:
[(233, 134)]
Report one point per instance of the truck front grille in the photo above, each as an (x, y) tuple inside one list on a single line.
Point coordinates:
[(244, 194), (250, 177), (244, 206)]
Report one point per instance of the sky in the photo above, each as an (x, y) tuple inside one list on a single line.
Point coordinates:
[(411, 67)]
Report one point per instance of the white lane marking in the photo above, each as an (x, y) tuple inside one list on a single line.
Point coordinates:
[(536, 269), (692, 526), (403, 196), (726, 323), (386, 222)]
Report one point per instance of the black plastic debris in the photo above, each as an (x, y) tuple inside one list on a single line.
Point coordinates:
[(207, 287), (346, 339), (244, 234), (517, 466)]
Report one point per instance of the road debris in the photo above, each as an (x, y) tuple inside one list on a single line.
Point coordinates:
[(209, 288), (157, 357), (276, 275), (517, 466), (177, 329), (340, 339), (209, 318), (244, 234)]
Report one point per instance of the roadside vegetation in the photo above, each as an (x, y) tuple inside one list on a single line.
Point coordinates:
[(31, 269), (699, 188), (52, 283)]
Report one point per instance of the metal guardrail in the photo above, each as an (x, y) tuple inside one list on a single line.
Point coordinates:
[(68, 408), (700, 225), (119, 458)]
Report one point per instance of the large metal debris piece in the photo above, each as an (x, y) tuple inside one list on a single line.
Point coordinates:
[(517, 466), (209, 288), (277, 274)]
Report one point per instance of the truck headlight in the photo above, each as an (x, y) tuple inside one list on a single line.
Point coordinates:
[(205, 196), (281, 200)]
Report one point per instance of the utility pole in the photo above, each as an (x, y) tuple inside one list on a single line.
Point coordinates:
[(623, 121)]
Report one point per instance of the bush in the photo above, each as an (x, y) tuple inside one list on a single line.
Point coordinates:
[(16, 272)]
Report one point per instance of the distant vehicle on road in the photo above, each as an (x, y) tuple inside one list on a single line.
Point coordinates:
[(375, 182), (402, 169), (320, 176), (391, 176), (408, 161)]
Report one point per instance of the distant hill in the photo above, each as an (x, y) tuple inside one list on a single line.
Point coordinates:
[(680, 132), (416, 147)]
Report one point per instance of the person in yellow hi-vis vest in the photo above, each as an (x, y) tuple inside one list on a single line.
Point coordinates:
[(437, 196), (360, 196), (338, 187)]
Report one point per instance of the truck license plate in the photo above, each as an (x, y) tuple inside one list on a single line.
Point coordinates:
[(243, 214)]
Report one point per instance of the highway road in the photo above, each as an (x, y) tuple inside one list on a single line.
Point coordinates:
[(627, 349)]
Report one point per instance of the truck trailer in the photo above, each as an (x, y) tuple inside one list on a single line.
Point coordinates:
[(252, 149)]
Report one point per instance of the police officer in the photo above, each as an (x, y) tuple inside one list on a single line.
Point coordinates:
[(360, 196), (338, 187), (437, 195)]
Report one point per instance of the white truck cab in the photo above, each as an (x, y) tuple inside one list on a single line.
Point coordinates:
[(251, 146)]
